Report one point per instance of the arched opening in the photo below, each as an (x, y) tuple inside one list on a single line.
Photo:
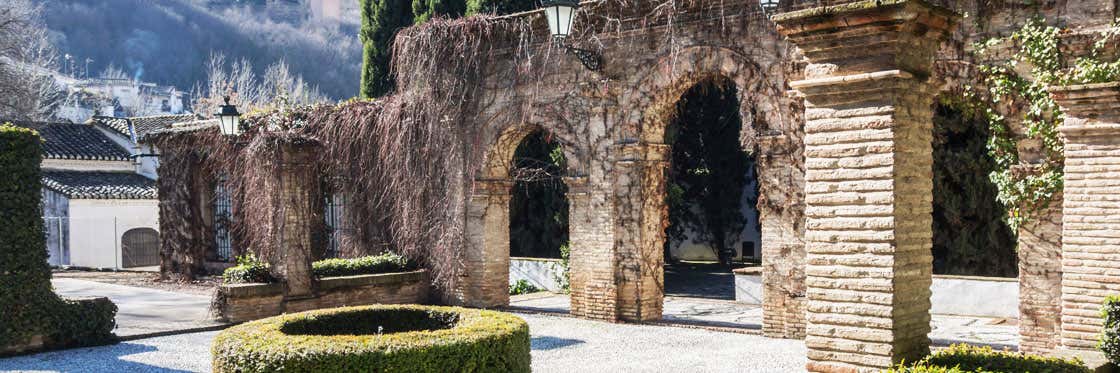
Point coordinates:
[(140, 248), (538, 220), (517, 221), (974, 297), (711, 192)]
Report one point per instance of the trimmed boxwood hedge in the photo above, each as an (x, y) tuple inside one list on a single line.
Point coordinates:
[(389, 338), (963, 358), (366, 265), (28, 305)]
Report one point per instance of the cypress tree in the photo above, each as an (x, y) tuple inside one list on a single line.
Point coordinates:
[(381, 19), (499, 6), (426, 9)]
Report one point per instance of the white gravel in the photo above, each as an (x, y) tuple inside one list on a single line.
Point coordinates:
[(560, 344)]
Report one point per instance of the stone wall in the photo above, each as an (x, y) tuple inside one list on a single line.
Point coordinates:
[(245, 302)]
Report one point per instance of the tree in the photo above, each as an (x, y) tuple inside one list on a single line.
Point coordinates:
[(426, 9), (277, 87), (970, 236), (381, 19), (28, 61), (708, 169), (499, 6)]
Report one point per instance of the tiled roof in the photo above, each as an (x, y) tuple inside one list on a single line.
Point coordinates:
[(78, 141), (142, 125), (99, 184), (192, 126)]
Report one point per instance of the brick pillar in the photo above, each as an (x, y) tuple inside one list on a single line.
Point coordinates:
[(485, 281), (868, 159), (1040, 280), (592, 260), (639, 224), (1091, 211), (293, 259), (783, 250)]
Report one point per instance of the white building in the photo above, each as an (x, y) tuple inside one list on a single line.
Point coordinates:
[(100, 206)]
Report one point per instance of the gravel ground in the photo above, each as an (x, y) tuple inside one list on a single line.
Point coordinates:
[(150, 280), (560, 344)]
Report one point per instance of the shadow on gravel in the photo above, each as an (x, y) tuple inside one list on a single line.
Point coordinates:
[(88, 359), (545, 343)]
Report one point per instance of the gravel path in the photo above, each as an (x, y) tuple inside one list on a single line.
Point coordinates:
[(560, 344)]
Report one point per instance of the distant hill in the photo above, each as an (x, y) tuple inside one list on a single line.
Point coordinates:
[(169, 41)]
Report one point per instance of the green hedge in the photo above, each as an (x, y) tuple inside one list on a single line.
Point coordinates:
[(367, 265), (381, 338), (28, 305), (1110, 335), (249, 269), (965, 358)]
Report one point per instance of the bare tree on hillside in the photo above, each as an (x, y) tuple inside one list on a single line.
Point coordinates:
[(278, 87), (28, 63)]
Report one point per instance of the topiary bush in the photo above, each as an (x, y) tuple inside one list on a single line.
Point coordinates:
[(966, 358), (1110, 334), (29, 307), (367, 265), (249, 269), (522, 287), (380, 338)]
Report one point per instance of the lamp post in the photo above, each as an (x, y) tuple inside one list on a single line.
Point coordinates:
[(230, 119), (560, 14), (768, 6)]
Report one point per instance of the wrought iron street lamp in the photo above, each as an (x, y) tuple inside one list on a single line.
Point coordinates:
[(230, 119), (560, 14), (768, 6)]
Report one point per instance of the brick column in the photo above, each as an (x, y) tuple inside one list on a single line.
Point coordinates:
[(1091, 211), (293, 262), (868, 159), (592, 260), (1040, 280), (485, 281), (640, 220)]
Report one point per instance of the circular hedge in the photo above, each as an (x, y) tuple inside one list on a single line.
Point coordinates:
[(380, 338)]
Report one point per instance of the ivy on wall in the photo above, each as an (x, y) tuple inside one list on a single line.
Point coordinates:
[(1020, 82), (29, 307)]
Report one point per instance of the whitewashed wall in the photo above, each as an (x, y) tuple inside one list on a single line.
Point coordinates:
[(542, 273), (96, 226), (952, 295)]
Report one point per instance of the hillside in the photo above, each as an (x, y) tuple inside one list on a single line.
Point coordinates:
[(169, 41)]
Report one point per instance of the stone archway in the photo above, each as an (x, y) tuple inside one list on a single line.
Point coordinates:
[(771, 134), (487, 255)]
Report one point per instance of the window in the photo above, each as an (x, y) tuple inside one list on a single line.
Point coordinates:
[(223, 221), (333, 205)]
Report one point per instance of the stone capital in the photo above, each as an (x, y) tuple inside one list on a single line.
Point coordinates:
[(640, 152), (492, 187), (1091, 109), (868, 36)]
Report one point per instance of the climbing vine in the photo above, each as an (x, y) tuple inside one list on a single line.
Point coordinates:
[(1019, 83)]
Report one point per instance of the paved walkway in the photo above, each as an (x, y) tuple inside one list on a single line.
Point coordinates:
[(947, 329), (559, 344), (143, 311)]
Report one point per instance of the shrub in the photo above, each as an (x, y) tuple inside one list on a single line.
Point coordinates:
[(249, 269), (367, 265), (966, 358), (380, 338), (522, 287), (1110, 335), (28, 305)]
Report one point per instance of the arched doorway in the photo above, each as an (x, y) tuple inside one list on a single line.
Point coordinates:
[(140, 248), (518, 207), (711, 193)]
